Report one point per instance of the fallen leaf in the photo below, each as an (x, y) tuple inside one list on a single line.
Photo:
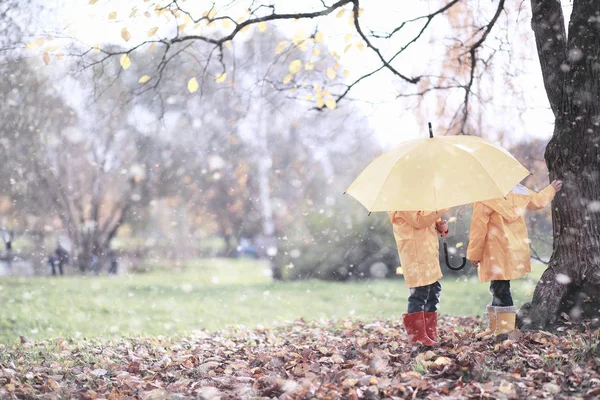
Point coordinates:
[(99, 372)]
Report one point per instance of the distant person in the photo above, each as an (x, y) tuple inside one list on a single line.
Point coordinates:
[(55, 263), (416, 234), (95, 265), (499, 247), (114, 266), (246, 248)]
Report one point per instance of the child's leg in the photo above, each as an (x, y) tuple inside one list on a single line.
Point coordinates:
[(417, 299), (501, 294), (435, 291)]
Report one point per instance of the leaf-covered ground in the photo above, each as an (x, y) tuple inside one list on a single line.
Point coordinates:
[(345, 359)]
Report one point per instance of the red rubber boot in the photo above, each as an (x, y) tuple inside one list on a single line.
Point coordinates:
[(415, 328), (431, 324)]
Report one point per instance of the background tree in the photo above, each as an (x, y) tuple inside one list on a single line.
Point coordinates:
[(465, 76)]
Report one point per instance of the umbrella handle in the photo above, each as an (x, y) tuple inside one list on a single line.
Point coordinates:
[(447, 257)]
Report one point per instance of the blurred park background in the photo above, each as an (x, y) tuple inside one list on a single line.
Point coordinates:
[(168, 212)]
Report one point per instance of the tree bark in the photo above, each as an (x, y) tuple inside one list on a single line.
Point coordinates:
[(571, 283)]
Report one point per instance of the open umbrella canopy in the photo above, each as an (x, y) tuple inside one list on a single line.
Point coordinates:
[(435, 173)]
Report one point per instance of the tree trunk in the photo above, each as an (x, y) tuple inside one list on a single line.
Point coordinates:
[(571, 283), (265, 163)]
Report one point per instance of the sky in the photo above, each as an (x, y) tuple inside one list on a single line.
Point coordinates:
[(388, 117)]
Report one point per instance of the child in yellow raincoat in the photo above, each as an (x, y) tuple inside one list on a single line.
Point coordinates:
[(499, 247), (417, 241)]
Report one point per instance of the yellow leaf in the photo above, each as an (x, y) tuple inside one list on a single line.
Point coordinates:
[(133, 12), (336, 66), (347, 47), (212, 13), (309, 97), (295, 66), (40, 41), (317, 88), (281, 46), (59, 56), (31, 45), (316, 52), (262, 26), (346, 73), (331, 74), (340, 13), (331, 104), (96, 48), (125, 61), (46, 58), (293, 89), (360, 45), (318, 37), (399, 271), (228, 44), (459, 245), (304, 84), (144, 79), (192, 85), (226, 23), (221, 77), (309, 66), (112, 15), (287, 79), (360, 12), (304, 45), (320, 103), (151, 47), (152, 31), (299, 37), (91, 2), (125, 34), (348, 38)]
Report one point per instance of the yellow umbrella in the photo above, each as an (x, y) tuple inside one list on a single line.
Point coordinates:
[(435, 173)]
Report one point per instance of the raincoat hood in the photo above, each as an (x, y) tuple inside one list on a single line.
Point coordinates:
[(513, 206)]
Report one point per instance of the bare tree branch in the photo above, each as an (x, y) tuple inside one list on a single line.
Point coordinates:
[(548, 25), (473, 55)]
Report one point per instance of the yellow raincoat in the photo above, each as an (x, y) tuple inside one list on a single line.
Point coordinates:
[(417, 241), (498, 236)]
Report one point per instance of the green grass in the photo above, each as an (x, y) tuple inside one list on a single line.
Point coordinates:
[(209, 295)]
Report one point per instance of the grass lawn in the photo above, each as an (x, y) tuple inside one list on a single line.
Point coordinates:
[(209, 294)]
